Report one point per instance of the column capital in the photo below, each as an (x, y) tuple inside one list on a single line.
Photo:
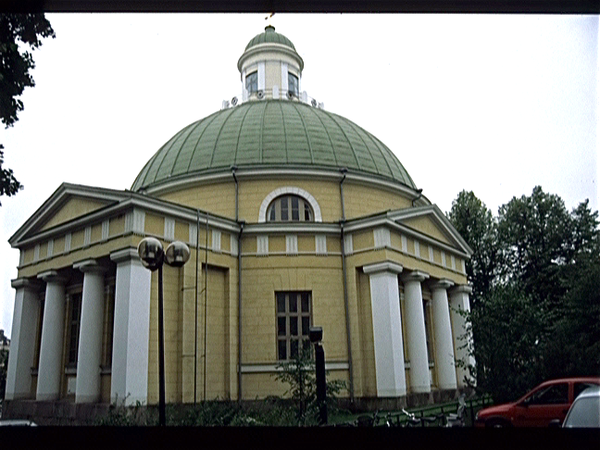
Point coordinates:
[(386, 266), (442, 283), (462, 289), (415, 275), (52, 276), (25, 283), (125, 255), (89, 265)]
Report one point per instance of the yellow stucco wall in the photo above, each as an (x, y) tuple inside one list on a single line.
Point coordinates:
[(359, 199)]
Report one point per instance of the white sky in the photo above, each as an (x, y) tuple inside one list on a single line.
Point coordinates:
[(495, 104)]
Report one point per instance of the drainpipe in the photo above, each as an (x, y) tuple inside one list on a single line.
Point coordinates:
[(242, 223), (233, 169), (343, 171), (420, 192), (239, 263), (196, 309)]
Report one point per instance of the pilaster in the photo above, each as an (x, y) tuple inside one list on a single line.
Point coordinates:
[(129, 373)]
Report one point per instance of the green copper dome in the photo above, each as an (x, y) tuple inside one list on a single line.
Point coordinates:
[(270, 36), (271, 133)]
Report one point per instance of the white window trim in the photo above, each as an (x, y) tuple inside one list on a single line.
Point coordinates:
[(262, 213)]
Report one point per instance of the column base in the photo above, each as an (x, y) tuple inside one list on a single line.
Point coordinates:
[(87, 399), (46, 397)]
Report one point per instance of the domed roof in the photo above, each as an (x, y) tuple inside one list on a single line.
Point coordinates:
[(270, 36), (270, 133)]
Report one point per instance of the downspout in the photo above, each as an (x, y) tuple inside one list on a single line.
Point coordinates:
[(239, 263), (196, 309), (420, 192), (343, 171), (205, 303), (242, 223)]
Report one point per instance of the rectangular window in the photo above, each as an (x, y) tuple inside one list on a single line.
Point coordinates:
[(252, 82), (74, 320), (295, 213), (428, 330), (293, 323), (284, 209), (293, 84)]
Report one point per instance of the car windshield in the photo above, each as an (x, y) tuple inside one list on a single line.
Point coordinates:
[(584, 413)]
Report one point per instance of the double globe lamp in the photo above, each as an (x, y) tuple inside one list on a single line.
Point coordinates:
[(151, 252)]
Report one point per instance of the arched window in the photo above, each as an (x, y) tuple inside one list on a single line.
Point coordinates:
[(290, 208)]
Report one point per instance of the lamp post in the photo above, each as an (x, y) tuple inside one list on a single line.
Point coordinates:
[(153, 256), (316, 336)]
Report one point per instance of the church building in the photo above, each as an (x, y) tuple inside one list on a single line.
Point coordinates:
[(295, 217)]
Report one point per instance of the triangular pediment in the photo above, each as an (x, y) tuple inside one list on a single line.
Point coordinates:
[(428, 226), (73, 207), (430, 221), (67, 203)]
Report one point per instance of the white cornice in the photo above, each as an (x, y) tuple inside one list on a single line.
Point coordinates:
[(287, 172), (123, 201), (292, 227)]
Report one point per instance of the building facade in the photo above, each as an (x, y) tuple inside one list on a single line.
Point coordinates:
[(295, 217)]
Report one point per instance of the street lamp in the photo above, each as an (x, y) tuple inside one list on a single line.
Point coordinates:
[(315, 335), (153, 256)]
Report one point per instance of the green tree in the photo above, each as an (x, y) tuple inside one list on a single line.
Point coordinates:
[(508, 331), (19, 35), (534, 234), (537, 315), (475, 223), (299, 374)]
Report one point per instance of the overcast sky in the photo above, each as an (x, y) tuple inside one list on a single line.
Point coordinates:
[(496, 104)]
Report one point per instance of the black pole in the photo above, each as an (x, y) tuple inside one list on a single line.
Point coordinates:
[(161, 352), (321, 383)]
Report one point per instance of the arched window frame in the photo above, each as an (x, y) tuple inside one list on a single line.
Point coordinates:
[(289, 190)]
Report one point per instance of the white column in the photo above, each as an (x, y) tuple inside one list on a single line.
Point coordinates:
[(89, 352), (463, 338), (387, 329), (50, 370), (444, 348), (129, 373), (415, 332), (22, 345)]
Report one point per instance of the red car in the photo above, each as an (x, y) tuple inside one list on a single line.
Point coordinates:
[(549, 401)]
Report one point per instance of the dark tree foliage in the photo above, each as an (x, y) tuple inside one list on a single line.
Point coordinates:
[(535, 233), (537, 311), (508, 331), (19, 34), (16, 63), (9, 185), (475, 223)]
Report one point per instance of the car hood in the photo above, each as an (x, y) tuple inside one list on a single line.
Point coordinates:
[(493, 410)]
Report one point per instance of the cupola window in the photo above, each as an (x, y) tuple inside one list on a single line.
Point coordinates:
[(252, 82), (293, 84), (290, 208)]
